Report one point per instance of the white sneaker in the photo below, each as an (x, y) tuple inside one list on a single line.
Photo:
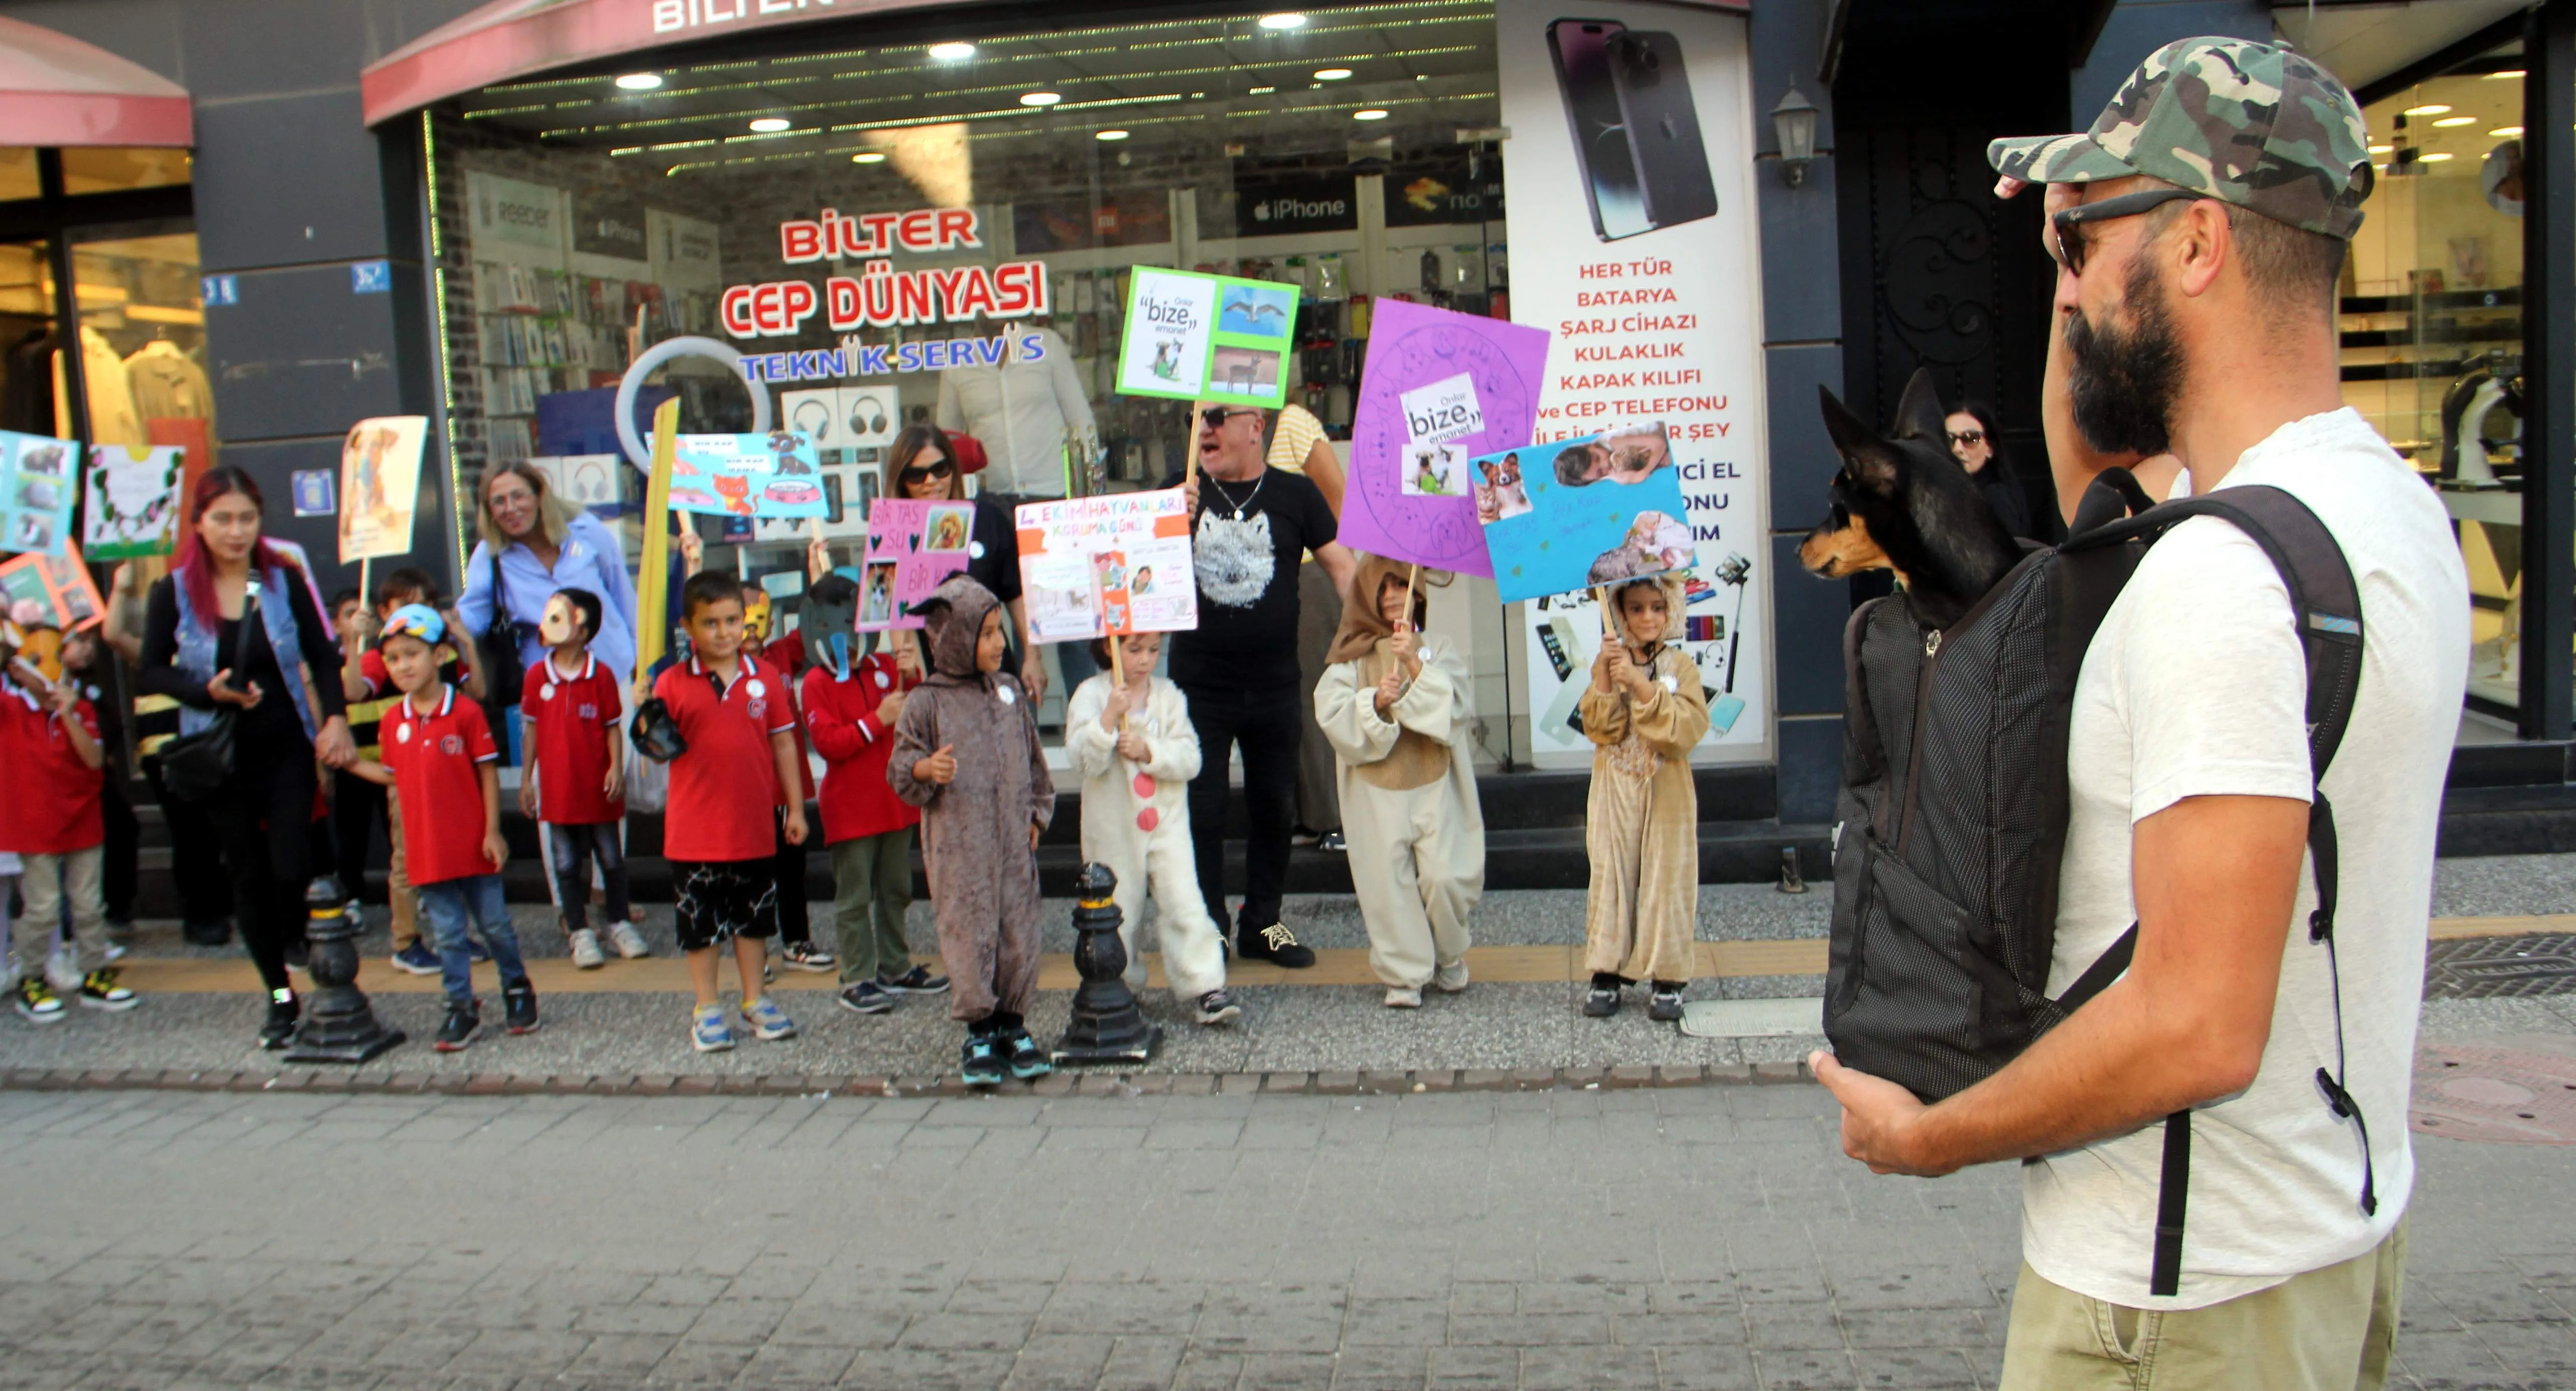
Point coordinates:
[(1403, 997), (1451, 978), (630, 943), (585, 950)]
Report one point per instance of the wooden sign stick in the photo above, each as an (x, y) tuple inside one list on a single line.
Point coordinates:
[(1412, 572)]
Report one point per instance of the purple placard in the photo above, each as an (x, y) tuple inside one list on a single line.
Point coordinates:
[(1413, 349)]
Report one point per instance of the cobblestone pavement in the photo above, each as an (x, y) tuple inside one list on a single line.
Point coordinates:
[(1708, 1237)]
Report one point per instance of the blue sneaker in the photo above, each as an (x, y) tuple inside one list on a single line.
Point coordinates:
[(865, 998), (709, 1033), (1028, 1061), (982, 1066), (417, 959), (768, 1022)]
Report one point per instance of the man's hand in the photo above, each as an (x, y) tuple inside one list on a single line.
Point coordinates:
[(496, 849), (1190, 493), (890, 708), (795, 827), (1134, 749), (940, 767), (1878, 1119)]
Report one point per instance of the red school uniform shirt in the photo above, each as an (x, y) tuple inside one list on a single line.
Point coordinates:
[(571, 717), (842, 713), (437, 763), (724, 789), (52, 806)]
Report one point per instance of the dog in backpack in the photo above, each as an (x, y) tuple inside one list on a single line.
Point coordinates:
[(1902, 503)]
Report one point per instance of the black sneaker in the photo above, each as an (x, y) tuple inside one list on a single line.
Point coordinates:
[(866, 997), (1332, 841), (917, 981), (1028, 1061), (982, 1066), (1602, 1002), (519, 1003), (1274, 944), (463, 1018), (99, 990), (283, 1012), (1665, 1005)]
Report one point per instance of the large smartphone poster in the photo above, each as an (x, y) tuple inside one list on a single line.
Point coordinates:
[(1191, 337), (1440, 388), (1118, 563), (380, 486), (1639, 257)]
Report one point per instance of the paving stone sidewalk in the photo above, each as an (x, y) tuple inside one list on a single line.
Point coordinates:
[(1702, 1238)]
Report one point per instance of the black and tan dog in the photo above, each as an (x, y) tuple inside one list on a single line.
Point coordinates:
[(1902, 503)]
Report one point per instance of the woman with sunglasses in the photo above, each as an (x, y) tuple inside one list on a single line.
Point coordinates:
[(1979, 449), (922, 465)]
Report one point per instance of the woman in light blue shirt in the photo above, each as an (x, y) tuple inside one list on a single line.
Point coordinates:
[(534, 544)]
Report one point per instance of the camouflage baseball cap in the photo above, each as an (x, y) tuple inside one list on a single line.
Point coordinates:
[(2247, 123)]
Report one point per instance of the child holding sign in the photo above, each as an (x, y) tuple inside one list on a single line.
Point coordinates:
[(1643, 712), (1395, 705), (1137, 752)]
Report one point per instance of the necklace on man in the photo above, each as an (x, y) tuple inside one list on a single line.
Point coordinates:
[(1247, 498)]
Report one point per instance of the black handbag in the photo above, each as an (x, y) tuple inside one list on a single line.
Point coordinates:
[(654, 733), (504, 680), (195, 766)]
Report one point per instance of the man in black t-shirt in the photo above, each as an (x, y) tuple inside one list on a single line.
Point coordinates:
[(1252, 526)]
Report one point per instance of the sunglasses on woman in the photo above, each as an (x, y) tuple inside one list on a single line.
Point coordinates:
[(2066, 225), (915, 474), (1969, 439)]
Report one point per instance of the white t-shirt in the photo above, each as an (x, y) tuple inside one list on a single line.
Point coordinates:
[(2194, 686)]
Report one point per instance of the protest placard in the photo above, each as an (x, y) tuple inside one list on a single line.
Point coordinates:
[(1440, 388), (39, 478), (132, 507), (1190, 337), (1120, 563), (59, 585), (913, 547), (1593, 510), (772, 475), (380, 486)]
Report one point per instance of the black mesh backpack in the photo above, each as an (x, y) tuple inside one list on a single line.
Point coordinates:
[(1953, 812)]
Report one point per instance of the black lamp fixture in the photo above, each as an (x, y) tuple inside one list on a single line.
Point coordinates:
[(1793, 121)]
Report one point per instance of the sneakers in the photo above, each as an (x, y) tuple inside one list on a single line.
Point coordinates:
[(417, 959), (1218, 1007), (519, 1006), (586, 954), (464, 1017), (1332, 841), (1602, 1002), (37, 1002), (1274, 944), (982, 1064), (1028, 1061), (917, 981), (1404, 997), (866, 997), (629, 942), (99, 990), (708, 1032), (1665, 1004), (768, 1022), (1451, 978), (283, 1013), (808, 956)]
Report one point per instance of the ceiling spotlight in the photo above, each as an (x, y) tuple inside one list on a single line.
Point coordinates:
[(2506, 132), (640, 81), (2448, 121), (1371, 114), (952, 52), (1040, 99), (868, 157), (1109, 135), (2382, 149), (1260, 91), (1331, 74), (2433, 109), (2434, 158), (771, 125), (1283, 21)]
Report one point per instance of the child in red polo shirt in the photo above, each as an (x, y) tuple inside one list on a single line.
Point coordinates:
[(439, 758), (575, 784), (736, 724), (50, 819), (852, 710)]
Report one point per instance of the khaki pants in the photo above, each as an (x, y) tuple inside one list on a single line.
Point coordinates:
[(871, 892), (2328, 1330), (399, 897), (46, 882)]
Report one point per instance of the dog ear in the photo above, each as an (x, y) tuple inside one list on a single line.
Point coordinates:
[(1918, 412), (1867, 458), (1845, 428)]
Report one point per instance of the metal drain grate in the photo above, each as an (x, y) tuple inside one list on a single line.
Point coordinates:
[(2479, 968), (2505, 1091)]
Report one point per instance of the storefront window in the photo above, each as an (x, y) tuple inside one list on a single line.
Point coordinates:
[(18, 176), (143, 334), (26, 328), (109, 169), (2432, 328)]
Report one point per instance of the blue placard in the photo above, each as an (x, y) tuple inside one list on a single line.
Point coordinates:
[(1596, 510), (219, 289), (316, 492), (371, 278)]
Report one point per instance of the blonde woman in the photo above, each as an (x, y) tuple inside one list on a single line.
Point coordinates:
[(533, 544)]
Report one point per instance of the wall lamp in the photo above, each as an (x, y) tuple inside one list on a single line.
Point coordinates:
[(1794, 122)]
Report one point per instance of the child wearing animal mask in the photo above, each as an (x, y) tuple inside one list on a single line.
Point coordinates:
[(575, 785), (1643, 712), (966, 752), (1395, 704)]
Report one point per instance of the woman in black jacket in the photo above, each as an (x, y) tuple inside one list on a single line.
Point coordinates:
[(1980, 450), (198, 650)]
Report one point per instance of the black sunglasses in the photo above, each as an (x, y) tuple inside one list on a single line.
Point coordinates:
[(942, 469), (2067, 242), (1216, 416), (1970, 438)]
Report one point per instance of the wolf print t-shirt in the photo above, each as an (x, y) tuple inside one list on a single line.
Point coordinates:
[(1249, 538)]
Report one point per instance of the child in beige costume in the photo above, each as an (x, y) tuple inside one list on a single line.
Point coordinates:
[(1643, 712), (1395, 706)]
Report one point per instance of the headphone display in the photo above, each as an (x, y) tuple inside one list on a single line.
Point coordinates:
[(814, 417), (867, 415)]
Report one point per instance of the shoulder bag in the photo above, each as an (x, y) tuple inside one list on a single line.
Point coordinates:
[(194, 766)]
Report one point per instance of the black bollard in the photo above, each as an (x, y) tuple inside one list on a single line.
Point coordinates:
[(1106, 1026), (339, 1025)]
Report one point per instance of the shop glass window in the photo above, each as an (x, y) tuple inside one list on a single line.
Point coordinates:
[(2432, 334), (143, 333), (112, 169), (26, 328), (18, 177)]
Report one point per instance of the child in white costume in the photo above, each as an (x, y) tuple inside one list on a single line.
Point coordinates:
[(1396, 708), (1137, 751)]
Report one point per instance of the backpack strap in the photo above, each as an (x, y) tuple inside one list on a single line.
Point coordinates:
[(2325, 606)]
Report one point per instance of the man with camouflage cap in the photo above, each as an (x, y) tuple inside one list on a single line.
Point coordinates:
[(2199, 229)]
